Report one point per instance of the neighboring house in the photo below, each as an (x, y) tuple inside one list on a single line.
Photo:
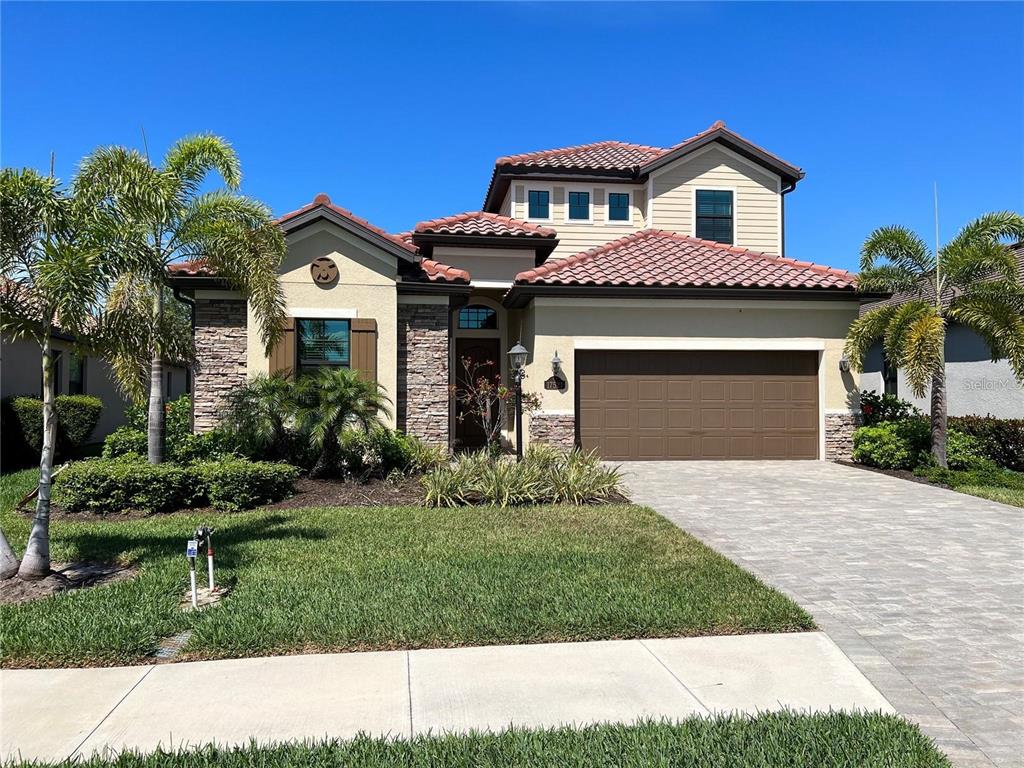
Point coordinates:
[(975, 384), (76, 374), (647, 272)]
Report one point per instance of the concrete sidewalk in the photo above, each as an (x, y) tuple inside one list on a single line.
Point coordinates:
[(52, 714)]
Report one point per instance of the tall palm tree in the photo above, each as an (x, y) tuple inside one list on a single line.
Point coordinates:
[(972, 280), (53, 278), (160, 215), (330, 400)]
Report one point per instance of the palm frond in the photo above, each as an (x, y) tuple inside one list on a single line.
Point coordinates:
[(193, 158), (998, 318), (921, 354), (864, 332), (887, 278), (898, 246), (900, 324), (964, 264), (990, 228)]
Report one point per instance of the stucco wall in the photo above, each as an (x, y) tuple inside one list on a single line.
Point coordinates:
[(488, 264), (365, 288), (974, 384)]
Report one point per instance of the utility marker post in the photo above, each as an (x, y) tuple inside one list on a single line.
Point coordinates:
[(191, 550)]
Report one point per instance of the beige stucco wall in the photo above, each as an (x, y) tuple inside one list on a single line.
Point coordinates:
[(487, 264), (757, 197), (560, 325), (365, 287)]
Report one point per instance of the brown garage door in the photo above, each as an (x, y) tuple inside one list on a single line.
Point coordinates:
[(698, 405)]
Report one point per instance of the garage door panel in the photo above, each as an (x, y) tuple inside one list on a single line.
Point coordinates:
[(698, 405)]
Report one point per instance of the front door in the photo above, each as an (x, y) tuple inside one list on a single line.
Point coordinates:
[(485, 353)]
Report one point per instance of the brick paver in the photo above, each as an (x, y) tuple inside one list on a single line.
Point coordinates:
[(923, 588)]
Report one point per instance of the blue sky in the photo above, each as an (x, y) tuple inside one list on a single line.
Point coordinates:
[(398, 111)]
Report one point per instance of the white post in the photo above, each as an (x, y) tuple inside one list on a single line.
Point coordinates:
[(192, 577), (209, 564)]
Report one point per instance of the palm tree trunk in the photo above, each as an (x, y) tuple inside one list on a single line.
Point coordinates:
[(156, 423), (939, 432), (36, 562), (8, 560)]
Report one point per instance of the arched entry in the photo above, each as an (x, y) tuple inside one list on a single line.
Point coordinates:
[(479, 329)]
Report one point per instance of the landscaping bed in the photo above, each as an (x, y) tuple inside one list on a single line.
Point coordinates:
[(361, 578), (832, 740)]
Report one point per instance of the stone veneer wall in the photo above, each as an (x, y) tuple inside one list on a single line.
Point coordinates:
[(557, 429), (422, 400), (221, 338), (839, 429)]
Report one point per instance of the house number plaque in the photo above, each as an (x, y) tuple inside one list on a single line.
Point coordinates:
[(324, 270)]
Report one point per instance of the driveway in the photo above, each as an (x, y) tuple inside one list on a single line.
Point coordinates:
[(921, 587)]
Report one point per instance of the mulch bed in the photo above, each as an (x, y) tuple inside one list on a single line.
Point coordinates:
[(64, 576), (902, 474)]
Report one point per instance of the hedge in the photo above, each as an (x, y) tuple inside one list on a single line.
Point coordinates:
[(129, 482), (906, 444), (77, 417), (1002, 440)]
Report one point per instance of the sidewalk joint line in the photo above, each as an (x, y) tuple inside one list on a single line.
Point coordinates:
[(104, 718), (674, 676), (408, 684)]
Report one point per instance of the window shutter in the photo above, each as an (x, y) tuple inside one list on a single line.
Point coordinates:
[(364, 348), (282, 356)]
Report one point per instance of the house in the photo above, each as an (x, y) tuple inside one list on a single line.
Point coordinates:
[(649, 284), (975, 383)]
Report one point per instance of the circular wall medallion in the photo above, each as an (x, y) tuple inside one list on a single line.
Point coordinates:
[(324, 270)]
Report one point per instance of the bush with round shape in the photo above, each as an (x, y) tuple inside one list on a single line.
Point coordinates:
[(129, 482), (234, 484), (77, 417), (892, 444)]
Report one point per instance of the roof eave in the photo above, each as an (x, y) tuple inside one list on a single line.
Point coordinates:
[(306, 218), (791, 174), (542, 245), (431, 288), (520, 294)]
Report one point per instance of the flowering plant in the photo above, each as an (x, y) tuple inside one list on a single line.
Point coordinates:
[(487, 401)]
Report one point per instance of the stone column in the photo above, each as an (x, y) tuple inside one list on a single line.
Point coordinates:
[(839, 428), (422, 404), (557, 429), (221, 341)]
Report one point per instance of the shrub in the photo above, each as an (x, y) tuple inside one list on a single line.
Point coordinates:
[(234, 484), (986, 475), (126, 483), (183, 447), (77, 416), (124, 440), (545, 475), (1002, 440), (878, 408), (892, 444), (965, 451)]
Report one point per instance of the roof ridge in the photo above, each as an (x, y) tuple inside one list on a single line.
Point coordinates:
[(511, 159), (719, 125), (322, 199)]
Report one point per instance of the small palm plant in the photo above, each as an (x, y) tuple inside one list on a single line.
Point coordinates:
[(330, 401), (972, 280), (259, 412), (159, 215)]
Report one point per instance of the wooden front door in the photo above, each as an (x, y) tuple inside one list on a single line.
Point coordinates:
[(486, 352)]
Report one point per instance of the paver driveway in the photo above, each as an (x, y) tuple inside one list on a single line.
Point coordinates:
[(923, 588)]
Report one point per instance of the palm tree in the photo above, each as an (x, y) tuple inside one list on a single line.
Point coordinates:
[(259, 412), (330, 400), (160, 216), (53, 278), (972, 280)]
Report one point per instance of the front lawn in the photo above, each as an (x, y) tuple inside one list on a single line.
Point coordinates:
[(833, 740), (343, 578)]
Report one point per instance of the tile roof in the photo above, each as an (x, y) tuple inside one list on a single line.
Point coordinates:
[(430, 271), (655, 258), (601, 155), (191, 268), (325, 201), (480, 224)]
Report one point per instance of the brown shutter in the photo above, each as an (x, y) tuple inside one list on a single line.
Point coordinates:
[(364, 347), (282, 356)]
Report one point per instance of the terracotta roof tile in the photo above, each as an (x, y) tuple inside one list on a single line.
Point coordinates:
[(324, 200), (482, 224), (654, 258), (427, 270), (192, 268), (601, 155)]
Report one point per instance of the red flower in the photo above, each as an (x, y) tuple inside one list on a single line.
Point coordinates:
[(868, 409)]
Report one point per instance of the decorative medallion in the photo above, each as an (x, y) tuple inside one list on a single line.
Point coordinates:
[(324, 271)]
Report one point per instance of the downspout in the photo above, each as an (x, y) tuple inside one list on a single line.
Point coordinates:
[(782, 204), (192, 317)]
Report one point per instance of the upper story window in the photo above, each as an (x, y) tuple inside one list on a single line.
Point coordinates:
[(618, 206), (579, 206), (539, 203), (715, 215), (323, 343), (477, 318)]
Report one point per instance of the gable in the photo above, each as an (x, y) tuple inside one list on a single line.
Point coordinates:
[(359, 262)]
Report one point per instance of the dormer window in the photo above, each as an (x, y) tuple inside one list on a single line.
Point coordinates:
[(579, 206), (539, 204), (714, 215), (618, 206)]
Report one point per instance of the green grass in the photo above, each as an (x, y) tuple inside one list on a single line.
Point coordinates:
[(1002, 485), (378, 578), (1011, 496), (774, 740)]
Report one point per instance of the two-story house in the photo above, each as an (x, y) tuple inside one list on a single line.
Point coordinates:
[(649, 285)]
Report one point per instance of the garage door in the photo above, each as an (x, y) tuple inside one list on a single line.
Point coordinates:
[(698, 405)]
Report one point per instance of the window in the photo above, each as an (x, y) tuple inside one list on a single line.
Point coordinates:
[(890, 378), (476, 318), (579, 206), (167, 392), (714, 215), (57, 358), (323, 343), (618, 206), (76, 374), (539, 204)]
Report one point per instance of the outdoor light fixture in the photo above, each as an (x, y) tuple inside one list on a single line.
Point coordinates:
[(556, 362), (517, 361), (844, 364)]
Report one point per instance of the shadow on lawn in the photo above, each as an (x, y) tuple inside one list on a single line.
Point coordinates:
[(101, 544)]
